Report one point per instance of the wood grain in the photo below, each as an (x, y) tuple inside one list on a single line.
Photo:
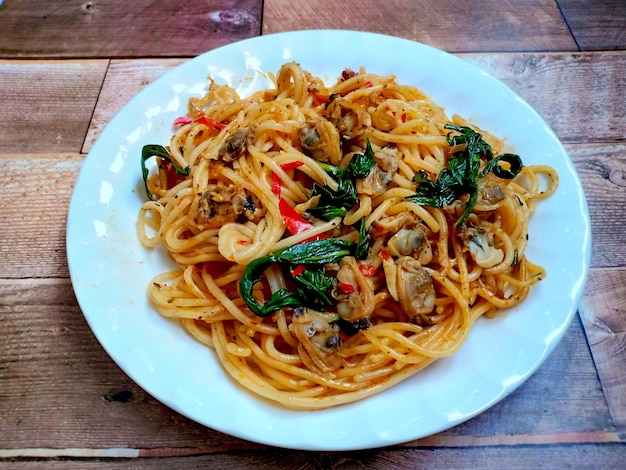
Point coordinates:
[(493, 25), (604, 313), (548, 82), (60, 389), (109, 28), (33, 231), (596, 24), (522, 458), (47, 106), (602, 169)]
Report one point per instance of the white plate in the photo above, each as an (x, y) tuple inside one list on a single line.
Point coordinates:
[(110, 270)]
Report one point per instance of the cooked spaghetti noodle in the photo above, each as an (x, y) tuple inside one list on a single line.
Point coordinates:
[(334, 240)]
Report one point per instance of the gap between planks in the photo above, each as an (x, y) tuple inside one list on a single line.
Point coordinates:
[(433, 441), (34, 281)]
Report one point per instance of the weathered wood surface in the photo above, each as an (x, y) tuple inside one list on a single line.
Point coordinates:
[(603, 311), (47, 105), (493, 25), (65, 404), (587, 457), (596, 24), (109, 28)]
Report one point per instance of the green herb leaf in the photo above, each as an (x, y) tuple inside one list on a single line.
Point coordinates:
[(334, 203), (462, 171), (315, 285), (514, 161), (150, 151), (363, 245), (361, 164), (317, 252), (337, 203)]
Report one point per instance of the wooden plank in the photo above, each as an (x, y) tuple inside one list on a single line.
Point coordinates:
[(602, 169), (51, 361), (596, 24), (109, 28), (603, 311), (606, 457), (493, 25), (549, 83), (59, 388), (46, 106), (33, 231)]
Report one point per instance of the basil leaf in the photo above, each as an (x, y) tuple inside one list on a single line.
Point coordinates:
[(361, 164), (317, 252), (314, 284), (463, 170), (363, 245), (335, 203), (150, 151), (514, 161)]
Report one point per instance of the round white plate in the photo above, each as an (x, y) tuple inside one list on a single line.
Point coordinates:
[(110, 270)]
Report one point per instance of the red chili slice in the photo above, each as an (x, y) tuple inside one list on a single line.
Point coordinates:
[(293, 220), (210, 122), (276, 188), (298, 270), (345, 288), (367, 270), (181, 121), (291, 165)]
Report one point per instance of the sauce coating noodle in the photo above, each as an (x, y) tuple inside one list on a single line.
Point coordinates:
[(244, 178)]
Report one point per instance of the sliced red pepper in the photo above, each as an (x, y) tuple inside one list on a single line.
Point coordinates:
[(369, 85), (345, 288), (207, 121), (293, 220), (367, 270), (291, 165), (210, 122), (181, 121), (298, 270), (384, 255), (276, 187)]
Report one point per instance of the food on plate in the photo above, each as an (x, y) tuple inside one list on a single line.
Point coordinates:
[(333, 240)]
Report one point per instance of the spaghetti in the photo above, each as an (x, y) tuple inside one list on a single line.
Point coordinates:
[(332, 241)]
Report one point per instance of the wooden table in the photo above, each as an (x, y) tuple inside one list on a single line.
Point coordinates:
[(67, 67)]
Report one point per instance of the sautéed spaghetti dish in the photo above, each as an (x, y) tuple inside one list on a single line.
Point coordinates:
[(334, 240)]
